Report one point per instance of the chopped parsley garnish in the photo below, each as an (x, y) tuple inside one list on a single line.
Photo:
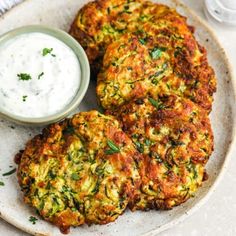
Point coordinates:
[(47, 51), (156, 103), (40, 75), (24, 76), (139, 146), (1, 183), (9, 172), (24, 98), (147, 142), (113, 147), (156, 53), (142, 41), (33, 220)]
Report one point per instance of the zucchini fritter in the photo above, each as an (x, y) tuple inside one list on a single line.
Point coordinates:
[(143, 64), (175, 137), (80, 171), (101, 22)]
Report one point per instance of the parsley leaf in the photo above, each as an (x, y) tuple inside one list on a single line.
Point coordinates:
[(142, 40), (156, 103), (24, 98), (155, 53), (139, 146), (40, 75), (33, 220), (113, 147), (47, 51), (24, 76), (147, 142), (1, 183), (9, 172)]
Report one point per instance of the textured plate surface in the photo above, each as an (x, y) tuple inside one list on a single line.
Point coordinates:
[(60, 13)]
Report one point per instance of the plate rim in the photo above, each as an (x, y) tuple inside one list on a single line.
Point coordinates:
[(228, 154)]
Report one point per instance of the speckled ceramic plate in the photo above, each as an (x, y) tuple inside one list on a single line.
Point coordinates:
[(60, 13)]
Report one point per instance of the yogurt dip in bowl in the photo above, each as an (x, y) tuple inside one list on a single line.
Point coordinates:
[(44, 75)]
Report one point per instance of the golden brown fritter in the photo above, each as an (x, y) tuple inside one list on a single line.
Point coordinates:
[(175, 137), (193, 76), (144, 64), (79, 171), (132, 68), (101, 22)]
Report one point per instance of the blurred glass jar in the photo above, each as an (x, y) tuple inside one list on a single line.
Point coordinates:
[(223, 11)]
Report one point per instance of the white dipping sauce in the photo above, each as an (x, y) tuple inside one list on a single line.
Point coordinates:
[(54, 77)]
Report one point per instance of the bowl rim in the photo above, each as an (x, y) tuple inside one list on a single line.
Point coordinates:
[(68, 40)]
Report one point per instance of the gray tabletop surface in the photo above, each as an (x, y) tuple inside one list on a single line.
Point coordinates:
[(218, 216)]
